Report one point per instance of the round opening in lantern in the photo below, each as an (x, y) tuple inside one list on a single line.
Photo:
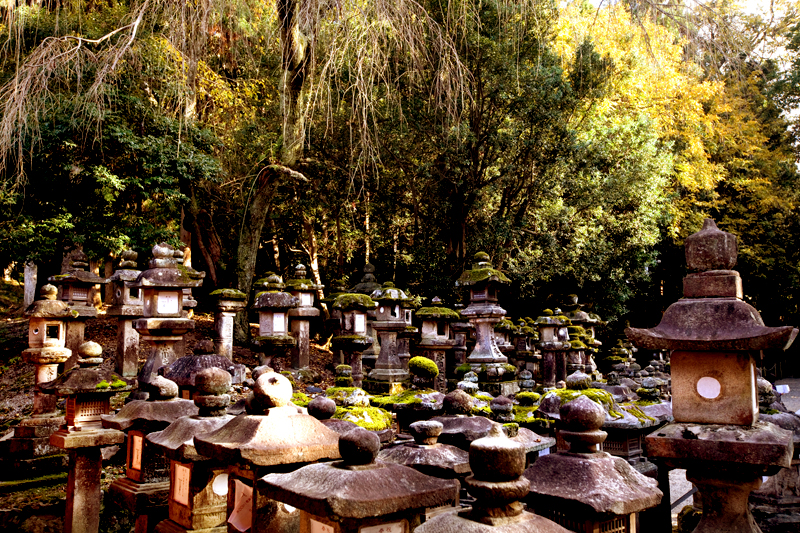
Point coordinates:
[(220, 485), (708, 387)]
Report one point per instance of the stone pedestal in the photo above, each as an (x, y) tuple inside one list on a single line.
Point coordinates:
[(127, 361), (229, 303), (126, 304)]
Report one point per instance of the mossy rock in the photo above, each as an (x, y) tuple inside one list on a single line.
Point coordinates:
[(511, 369), (354, 300), (343, 381), (527, 416), (300, 399), (103, 385), (528, 399), (432, 313), (463, 369), (118, 384), (371, 418), (600, 396), (404, 399), (423, 367)]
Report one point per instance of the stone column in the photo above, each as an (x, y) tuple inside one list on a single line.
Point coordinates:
[(127, 360), (31, 276), (229, 302), (83, 491)]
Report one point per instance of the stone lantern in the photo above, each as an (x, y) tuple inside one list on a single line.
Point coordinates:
[(198, 483), (502, 336), (163, 325), (715, 338), (77, 288), (389, 321), (88, 389), (275, 436), (483, 311), (553, 343), (358, 495), (273, 305), (436, 341), (426, 454), (46, 338), (585, 489), (497, 484), (126, 304), (305, 291), (353, 339), (145, 488), (229, 303), (367, 286)]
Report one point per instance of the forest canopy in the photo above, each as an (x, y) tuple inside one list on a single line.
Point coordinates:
[(578, 144)]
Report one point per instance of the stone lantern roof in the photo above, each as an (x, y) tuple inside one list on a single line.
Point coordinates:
[(437, 311), (159, 410), (77, 272), (300, 282), (49, 306), (127, 270), (89, 377), (388, 293), (354, 301), (358, 487), (712, 315), (368, 283), (164, 271), (481, 273)]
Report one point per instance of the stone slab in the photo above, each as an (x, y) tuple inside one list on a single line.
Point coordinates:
[(140, 497), (691, 445), (67, 439)]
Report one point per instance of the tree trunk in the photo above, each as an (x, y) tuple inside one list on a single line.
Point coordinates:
[(294, 45), (313, 256)]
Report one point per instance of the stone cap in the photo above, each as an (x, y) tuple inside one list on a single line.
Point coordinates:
[(77, 276), (388, 293), (177, 440), (145, 412), (712, 324), (710, 249), (184, 370), (437, 311), (275, 300), (349, 301), (89, 377), (49, 306), (368, 283), (166, 272), (481, 273), (300, 283)]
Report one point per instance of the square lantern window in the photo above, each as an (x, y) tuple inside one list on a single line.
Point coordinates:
[(52, 332), (198, 495), (279, 323), (407, 313), (396, 311), (133, 466), (306, 299), (441, 329), (162, 303), (359, 322), (548, 334), (79, 294), (563, 334), (714, 387)]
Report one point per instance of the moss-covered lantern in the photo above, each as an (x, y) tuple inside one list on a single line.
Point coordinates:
[(553, 344), (436, 342), (127, 305), (353, 339)]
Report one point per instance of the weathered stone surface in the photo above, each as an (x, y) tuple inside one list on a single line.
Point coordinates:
[(177, 441), (321, 408), (184, 369), (274, 390), (607, 484), (140, 411), (359, 491), (716, 283), (426, 455), (426, 431), (533, 442), (160, 388), (460, 431), (339, 426), (719, 324), (359, 446), (496, 458), (461, 522), (270, 439), (710, 249), (86, 438), (729, 445), (213, 381)]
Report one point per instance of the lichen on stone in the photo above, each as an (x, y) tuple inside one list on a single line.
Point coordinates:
[(370, 418)]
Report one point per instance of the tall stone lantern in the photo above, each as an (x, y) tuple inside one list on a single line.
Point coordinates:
[(715, 338), (353, 338), (229, 302), (553, 343), (301, 316), (163, 325), (436, 340), (483, 281), (126, 304)]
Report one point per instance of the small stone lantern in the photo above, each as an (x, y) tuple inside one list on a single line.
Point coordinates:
[(145, 487), (163, 325), (367, 286), (127, 306), (357, 494), (273, 305), (427, 455), (275, 436), (198, 483), (184, 371), (229, 302), (301, 316), (559, 483), (435, 341), (497, 484), (87, 389), (715, 338), (76, 287), (353, 339)]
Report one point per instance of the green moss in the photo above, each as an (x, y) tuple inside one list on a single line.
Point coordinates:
[(341, 368), (423, 367), (118, 384), (638, 413), (231, 294), (330, 391), (351, 300), (769, 411), (103, 385), (463, 369), (510, 369), (371, 418), (528, 398), (645, 403), (596, 395), (525, 415), (408, 397), (298, 398), (437, 312), (343, 381)]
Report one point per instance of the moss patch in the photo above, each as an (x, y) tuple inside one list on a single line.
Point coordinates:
[(407, 397), (371, 418), (423, 367), (298, 398), (103, 385), (596, 395)]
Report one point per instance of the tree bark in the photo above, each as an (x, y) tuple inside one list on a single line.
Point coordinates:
[(294, 46)]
